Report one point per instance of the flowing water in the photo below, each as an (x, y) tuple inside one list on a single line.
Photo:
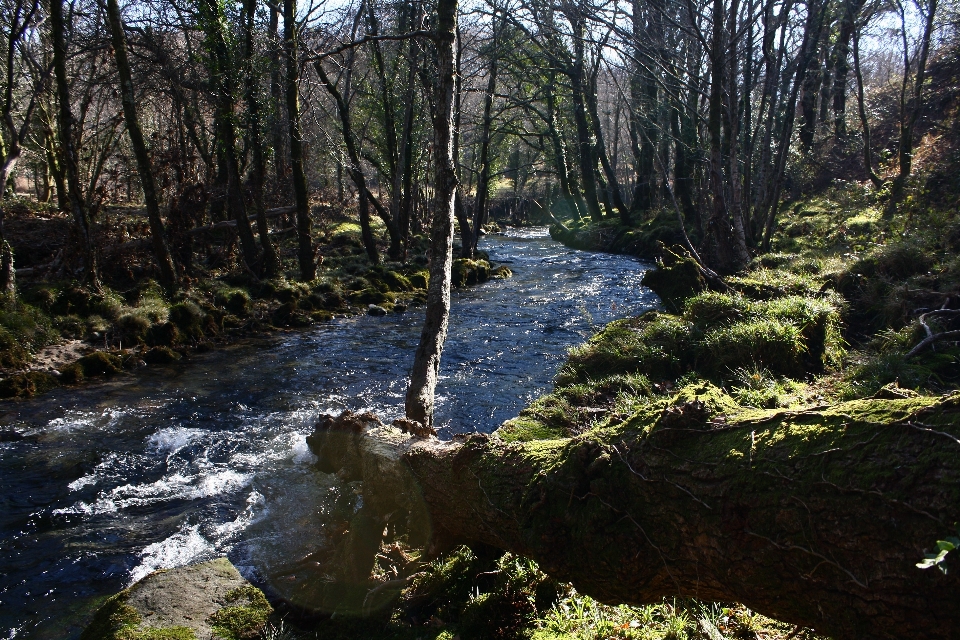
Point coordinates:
[(179, 464)]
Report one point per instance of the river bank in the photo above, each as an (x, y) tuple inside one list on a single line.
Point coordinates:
[(62, 333)]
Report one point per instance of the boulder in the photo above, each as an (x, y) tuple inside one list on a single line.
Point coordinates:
[(200, 602)]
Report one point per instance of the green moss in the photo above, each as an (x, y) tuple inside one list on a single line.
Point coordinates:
[(244, 619), (133, 327), (420, 279), (188, 318), (23, 329), (98, 363), (160, 355), (396, 281), (116, 620), (26, 385), (469, 272), (502, 272), (711, 308), (676, 278)]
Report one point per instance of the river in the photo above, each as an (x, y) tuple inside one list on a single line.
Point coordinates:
[(173, 465)]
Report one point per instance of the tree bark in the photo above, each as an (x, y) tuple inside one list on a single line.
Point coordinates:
[(68, 147), (483, 170), (814, 517), (308, 267), (258, 169), (168, 274), (222, 70), (426, 365)]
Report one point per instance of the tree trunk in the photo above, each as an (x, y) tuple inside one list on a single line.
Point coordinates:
[(877, 181), (8, 274), (277, 100), (356, 168), (426, 364), (851, 11), (258, 170), (213, 20), (308, 267), (68, 148), (909, 116), (815, 517), (168, 274), (483, 170)]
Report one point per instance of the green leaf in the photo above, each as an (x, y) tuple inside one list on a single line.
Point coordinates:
[(933, 560), (947, 545)]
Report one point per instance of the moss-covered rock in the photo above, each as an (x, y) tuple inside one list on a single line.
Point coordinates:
[(420, 279), (26, 385), (468, 272), (165, 335), (501, 272), (160, 355), (98, 363), (188, 317), (207, 600)]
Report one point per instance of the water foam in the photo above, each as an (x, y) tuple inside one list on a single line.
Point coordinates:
[(182, 548)]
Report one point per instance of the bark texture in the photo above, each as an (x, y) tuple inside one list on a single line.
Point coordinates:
[(814, 517), (168, 274), (419, 400)]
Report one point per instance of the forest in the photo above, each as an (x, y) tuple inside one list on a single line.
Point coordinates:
[(542, 319)]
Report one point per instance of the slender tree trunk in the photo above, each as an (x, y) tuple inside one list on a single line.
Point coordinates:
[(258, 169), (486, 125), (213, 19), (308, 267), (395, 249), (68, 149), (168, 274), (851, 11), (613, 185), (816, 13), (910, 111), (278, 100), (356, 168), (8, 274), (426, 364), (862, 112)]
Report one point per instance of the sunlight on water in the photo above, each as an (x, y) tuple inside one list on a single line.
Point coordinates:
[(180, 464)]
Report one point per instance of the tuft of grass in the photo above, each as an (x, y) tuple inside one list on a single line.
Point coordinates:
[(766, 342)]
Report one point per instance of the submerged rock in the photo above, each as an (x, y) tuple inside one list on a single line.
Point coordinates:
[(201, 602)]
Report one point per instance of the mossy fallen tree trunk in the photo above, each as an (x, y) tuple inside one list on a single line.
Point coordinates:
[(815, 517)]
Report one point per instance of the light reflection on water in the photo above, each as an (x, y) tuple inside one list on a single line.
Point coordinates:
[(179, 464)]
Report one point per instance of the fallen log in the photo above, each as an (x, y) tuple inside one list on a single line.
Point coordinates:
[(816, 517)]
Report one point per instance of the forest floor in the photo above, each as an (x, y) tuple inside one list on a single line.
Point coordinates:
[(835, 312), (60, 332)]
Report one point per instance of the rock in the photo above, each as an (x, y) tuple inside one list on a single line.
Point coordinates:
[(399, 308), (201, 601), (160, 355), (376, 310)]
